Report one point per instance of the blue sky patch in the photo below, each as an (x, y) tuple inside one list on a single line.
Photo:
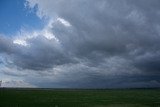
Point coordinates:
[(14, 16)]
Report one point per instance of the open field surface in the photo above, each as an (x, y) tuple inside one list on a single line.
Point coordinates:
[(79, 98)]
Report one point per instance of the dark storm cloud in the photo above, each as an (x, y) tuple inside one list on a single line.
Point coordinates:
[(40, 55), (150, 62), (113, 28), (101, 81), (101, 43)]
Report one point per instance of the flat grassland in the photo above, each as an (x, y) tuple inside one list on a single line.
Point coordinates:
[(79, 98)]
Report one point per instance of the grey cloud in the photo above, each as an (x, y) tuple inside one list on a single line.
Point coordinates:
[(149, 62), (126, 29), (16, 83), (93, 80), (108, 43), (5, 44), (40, 55), (105, 32)]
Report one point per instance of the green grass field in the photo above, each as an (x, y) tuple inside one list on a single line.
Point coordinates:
[(79, 98)]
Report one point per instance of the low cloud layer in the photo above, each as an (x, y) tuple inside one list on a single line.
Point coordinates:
[(87, 44)]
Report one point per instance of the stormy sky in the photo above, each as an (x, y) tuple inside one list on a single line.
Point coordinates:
[(82, 44)]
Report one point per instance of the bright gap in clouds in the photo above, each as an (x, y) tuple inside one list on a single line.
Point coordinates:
[(20, 42), (64, 22)]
